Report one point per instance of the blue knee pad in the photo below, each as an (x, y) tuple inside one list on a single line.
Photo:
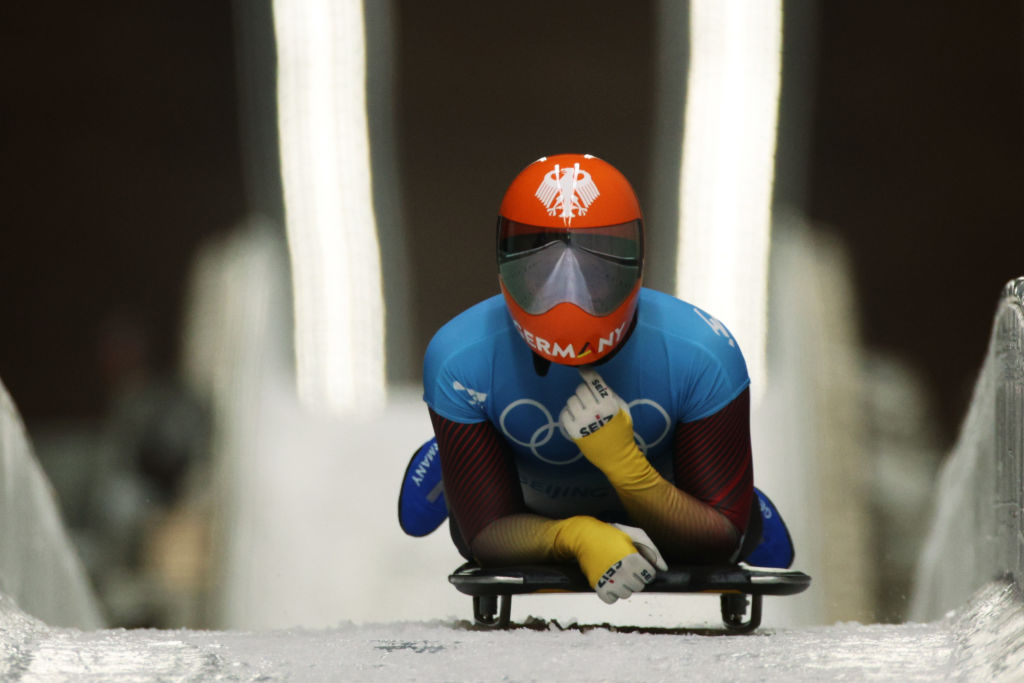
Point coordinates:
[(421, 504), (776, 546)]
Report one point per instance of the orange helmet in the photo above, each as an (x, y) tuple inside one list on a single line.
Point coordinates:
[(570, 257)]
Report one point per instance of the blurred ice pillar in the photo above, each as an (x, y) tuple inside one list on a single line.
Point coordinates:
[(403, 362), (329, 210), (727, 168)]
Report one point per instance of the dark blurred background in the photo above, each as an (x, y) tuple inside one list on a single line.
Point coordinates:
[(122, 151)]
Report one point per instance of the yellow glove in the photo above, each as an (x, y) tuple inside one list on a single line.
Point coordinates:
[(617, 560), (598, 421)]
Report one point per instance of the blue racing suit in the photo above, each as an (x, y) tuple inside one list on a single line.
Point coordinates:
[(680, 371)]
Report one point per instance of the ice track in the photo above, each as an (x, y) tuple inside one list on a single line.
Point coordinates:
[(982, 641)]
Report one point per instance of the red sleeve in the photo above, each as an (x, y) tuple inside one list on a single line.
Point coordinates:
[(713, 460), (480, 479)]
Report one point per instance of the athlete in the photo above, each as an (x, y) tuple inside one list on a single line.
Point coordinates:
[(580, 417)]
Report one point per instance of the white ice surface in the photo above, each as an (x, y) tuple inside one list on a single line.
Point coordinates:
[(981, 642)]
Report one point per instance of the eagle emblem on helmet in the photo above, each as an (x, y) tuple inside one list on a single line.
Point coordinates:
[(567, 192)]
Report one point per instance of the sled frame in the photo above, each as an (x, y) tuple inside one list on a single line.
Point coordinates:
[(740, 588)]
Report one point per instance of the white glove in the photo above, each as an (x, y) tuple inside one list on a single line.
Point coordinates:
[(633, 572), (592, 406)]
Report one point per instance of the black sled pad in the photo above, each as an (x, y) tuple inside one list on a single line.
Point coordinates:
[(734, 583)]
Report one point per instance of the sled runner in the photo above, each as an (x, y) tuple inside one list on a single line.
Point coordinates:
[(738, 586)]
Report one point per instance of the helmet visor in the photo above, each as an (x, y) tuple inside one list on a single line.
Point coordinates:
[(593, 268)]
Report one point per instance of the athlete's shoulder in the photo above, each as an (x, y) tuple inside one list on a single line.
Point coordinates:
[(688, 323), (477, 324), (459, 361), (693, 339)]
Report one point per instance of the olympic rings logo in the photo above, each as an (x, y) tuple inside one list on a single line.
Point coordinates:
[(543, 434)]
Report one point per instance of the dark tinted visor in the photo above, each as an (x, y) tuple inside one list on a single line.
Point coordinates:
[(617, 242), (594, 268)]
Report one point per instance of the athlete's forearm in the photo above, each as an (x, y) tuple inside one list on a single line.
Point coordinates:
[(684, 527), (527, 537), (515, 539), (617, 562)]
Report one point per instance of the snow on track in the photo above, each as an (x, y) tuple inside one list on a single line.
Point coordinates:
[(983, 641)]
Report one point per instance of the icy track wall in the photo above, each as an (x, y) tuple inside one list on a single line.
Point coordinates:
[(977, 534), (39, 568)]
